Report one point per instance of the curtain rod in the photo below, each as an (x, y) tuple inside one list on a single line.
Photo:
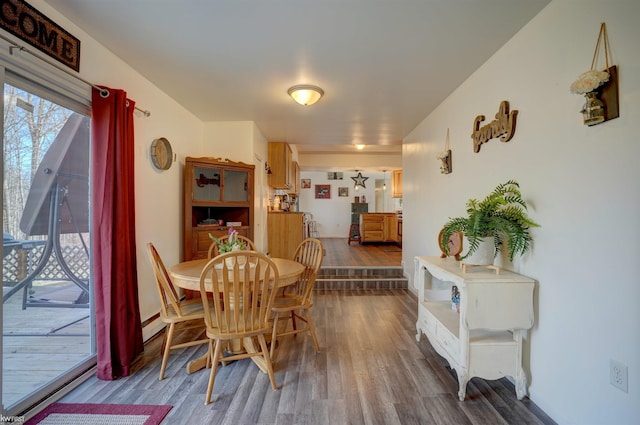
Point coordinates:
[(55, 65)]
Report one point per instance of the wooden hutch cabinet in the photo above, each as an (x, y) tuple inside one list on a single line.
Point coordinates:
[(217, 193)]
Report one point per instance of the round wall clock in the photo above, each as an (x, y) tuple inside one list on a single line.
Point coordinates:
[(161, 154), (455, 245)]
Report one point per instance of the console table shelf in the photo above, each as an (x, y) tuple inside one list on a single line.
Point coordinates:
[(485, 338)]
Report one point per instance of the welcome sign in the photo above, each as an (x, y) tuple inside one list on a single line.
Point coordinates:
[(24, 21)]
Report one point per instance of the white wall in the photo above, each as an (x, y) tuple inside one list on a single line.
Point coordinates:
[(583, 187), (262, 190), (231, 140), (334, 215)]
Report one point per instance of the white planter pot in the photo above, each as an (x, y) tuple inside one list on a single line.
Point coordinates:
[(232, 261), (484, 255)]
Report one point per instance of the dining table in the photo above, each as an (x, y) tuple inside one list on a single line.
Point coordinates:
[(186, 275)]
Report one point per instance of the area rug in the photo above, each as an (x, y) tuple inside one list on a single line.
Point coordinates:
[(100, 414)]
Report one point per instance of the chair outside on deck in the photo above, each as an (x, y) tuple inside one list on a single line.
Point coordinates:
[(237, 290), (214, 251), (173, 311), (295, 301)]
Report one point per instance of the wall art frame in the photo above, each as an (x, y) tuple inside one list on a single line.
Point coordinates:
[(323, 191)]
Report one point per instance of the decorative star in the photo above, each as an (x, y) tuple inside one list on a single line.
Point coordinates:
[(359, 180)]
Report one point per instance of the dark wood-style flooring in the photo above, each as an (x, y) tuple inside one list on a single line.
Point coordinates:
[(370, 370), (339, 253)]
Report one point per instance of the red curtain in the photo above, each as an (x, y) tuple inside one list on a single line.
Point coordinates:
[(118, 326)]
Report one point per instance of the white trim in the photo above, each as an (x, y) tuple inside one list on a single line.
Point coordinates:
[(72, 92)]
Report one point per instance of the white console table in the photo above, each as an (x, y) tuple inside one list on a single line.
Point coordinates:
[(485, 338)]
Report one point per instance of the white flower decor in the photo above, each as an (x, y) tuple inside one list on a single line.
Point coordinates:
[(589, 81)]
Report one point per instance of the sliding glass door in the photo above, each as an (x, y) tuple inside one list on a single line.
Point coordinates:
[(47, 311)]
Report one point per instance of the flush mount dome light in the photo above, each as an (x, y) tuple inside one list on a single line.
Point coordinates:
[(305, 94)]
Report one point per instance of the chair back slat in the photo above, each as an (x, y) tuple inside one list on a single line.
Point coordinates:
[(166, 290), (241, 286), (309, 253)]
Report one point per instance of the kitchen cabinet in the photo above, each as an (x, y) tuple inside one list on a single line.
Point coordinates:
[(217, 193), (390, 228), (378, 227), (484, 338), (285, 232), (396, 184), (281, 163), (295, 179)]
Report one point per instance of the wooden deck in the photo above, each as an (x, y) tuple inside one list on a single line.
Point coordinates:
[(41, 343)]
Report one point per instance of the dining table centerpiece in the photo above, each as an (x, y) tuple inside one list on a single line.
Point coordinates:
[(229, 243)]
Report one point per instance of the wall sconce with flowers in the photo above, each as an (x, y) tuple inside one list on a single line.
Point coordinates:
[(600, 88)]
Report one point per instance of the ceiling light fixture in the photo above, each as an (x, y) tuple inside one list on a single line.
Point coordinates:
[(305, 94), (359, 147)]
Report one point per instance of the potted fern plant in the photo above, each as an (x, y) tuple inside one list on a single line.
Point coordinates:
[(500, 217)]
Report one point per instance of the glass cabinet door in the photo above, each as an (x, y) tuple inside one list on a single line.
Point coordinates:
[(206, 185), (236, 186)]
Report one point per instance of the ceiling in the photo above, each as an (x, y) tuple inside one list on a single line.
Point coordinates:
[(383, 65)]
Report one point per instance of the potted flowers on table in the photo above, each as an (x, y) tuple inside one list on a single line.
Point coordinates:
[(501, 217), (229, 243)]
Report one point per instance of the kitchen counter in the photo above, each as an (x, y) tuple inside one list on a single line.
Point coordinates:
[(285, 231)]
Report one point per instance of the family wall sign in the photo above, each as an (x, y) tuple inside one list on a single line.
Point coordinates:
[(504, 126)]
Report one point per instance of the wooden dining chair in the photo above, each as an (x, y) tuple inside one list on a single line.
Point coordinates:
[(237, 290), (177, 314), (213, 249), (295, 300)]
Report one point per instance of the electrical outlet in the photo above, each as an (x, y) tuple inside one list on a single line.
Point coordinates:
[(618, 375)]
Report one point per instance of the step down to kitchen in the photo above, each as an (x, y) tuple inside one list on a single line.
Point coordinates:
[(352, 278)]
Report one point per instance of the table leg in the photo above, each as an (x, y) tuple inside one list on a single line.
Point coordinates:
[(197, 364), (251, 347)]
